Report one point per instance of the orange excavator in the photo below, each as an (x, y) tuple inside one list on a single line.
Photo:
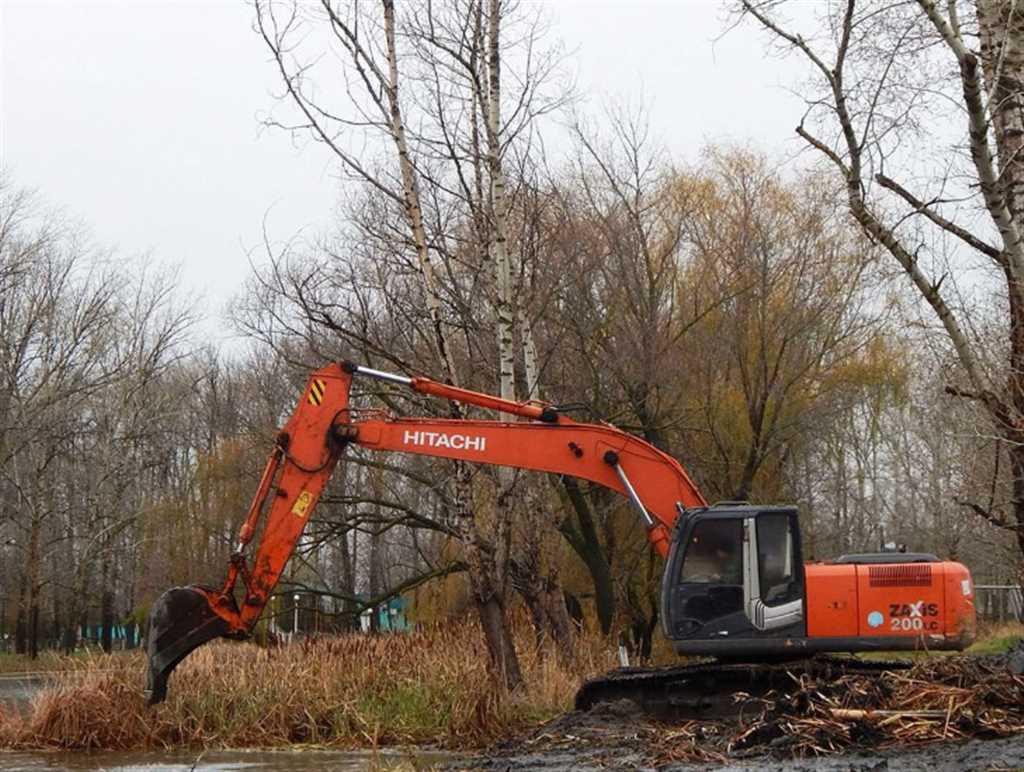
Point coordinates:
[(735, 586)]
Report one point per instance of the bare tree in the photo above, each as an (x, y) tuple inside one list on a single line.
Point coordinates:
[(83, 339), (884, 79), (448, 179)]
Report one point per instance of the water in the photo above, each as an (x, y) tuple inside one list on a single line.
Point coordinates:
[(17, 690), (389, 760)]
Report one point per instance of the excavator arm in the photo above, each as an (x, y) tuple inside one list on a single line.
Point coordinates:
[(309, 446)]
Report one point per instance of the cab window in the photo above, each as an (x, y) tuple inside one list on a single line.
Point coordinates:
[(714, 553), (775, 559)]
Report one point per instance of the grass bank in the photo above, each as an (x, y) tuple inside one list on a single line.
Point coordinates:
[(997, 638), (430, 686)]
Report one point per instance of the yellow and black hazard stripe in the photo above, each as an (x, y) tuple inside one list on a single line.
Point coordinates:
[(316, 391)]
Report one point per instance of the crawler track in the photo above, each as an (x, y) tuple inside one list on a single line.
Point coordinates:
[(715, 690)]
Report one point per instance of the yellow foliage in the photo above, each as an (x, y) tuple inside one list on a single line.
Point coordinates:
[(188, 534)]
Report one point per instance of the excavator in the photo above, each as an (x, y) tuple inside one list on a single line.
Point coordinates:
[(735, 586)]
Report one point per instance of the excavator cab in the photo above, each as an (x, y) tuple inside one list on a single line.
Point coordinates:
[(734, 581)]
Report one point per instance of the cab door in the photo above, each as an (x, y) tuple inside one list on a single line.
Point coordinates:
[(774, 587)]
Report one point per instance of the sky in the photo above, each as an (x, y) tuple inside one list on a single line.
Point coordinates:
[(142, 119)]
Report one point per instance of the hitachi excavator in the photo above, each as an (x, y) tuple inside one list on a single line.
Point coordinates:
[(735, 586)]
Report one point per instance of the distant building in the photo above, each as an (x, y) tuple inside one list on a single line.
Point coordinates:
[(391, 617)]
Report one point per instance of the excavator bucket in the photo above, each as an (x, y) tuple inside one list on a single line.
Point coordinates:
[(181, 621)]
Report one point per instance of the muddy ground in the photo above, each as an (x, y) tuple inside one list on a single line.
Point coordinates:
[(617, 736)]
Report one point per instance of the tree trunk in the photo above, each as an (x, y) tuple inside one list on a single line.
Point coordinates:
[(545, 601), (20, 627), (499, 244), (33, 588), (1001, 28), (20, 633), (376, 577), (493, 619), (33, 629), (558, 617), (57, 625), (67, 642), (482, 572), (107, 621), (350, 613), (1016, 451), (586, 543), (534, 605), (106, 604)]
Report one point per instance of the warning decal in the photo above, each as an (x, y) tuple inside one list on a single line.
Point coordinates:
[(316, 391), (301, 505)]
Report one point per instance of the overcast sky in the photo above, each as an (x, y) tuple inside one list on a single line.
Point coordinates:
[(142, 118)]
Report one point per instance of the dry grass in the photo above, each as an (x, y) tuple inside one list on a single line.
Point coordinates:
[(47, 661), (426, 687)]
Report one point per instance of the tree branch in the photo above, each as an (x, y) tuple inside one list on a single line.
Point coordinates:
[(947, 225), (999, 520)]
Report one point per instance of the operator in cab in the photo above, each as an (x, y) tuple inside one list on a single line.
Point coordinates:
[(713, 554)]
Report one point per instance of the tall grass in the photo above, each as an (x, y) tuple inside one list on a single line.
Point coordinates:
[(430, 686), (12, 664)]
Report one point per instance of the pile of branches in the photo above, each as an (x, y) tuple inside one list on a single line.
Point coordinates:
[(816, 713), (939, 700)]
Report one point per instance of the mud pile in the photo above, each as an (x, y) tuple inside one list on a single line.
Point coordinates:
[(949, 700)]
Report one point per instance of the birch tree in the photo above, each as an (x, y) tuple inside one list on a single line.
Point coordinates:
[(444, 64)]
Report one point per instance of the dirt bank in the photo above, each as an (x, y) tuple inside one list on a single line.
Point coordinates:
[(615, 737), (955, 713), (1004, 754)]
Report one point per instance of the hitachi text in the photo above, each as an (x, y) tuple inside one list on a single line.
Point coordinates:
[(438, 440)]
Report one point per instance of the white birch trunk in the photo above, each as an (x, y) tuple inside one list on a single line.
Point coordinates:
[(484, 573), (499, 244), (1001, 25), (411, 196), (530, 365)]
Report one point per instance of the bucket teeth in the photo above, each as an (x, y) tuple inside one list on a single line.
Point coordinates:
[(181, 620)]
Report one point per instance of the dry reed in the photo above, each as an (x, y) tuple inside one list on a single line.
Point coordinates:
[(426, 687)]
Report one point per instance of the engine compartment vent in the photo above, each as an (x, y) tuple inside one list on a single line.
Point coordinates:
[(911, 575)]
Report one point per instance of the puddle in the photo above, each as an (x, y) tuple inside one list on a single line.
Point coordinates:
[(18, 690), (389, 760)]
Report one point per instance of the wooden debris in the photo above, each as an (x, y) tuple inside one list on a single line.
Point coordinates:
[(888, 715), (946, 699)]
